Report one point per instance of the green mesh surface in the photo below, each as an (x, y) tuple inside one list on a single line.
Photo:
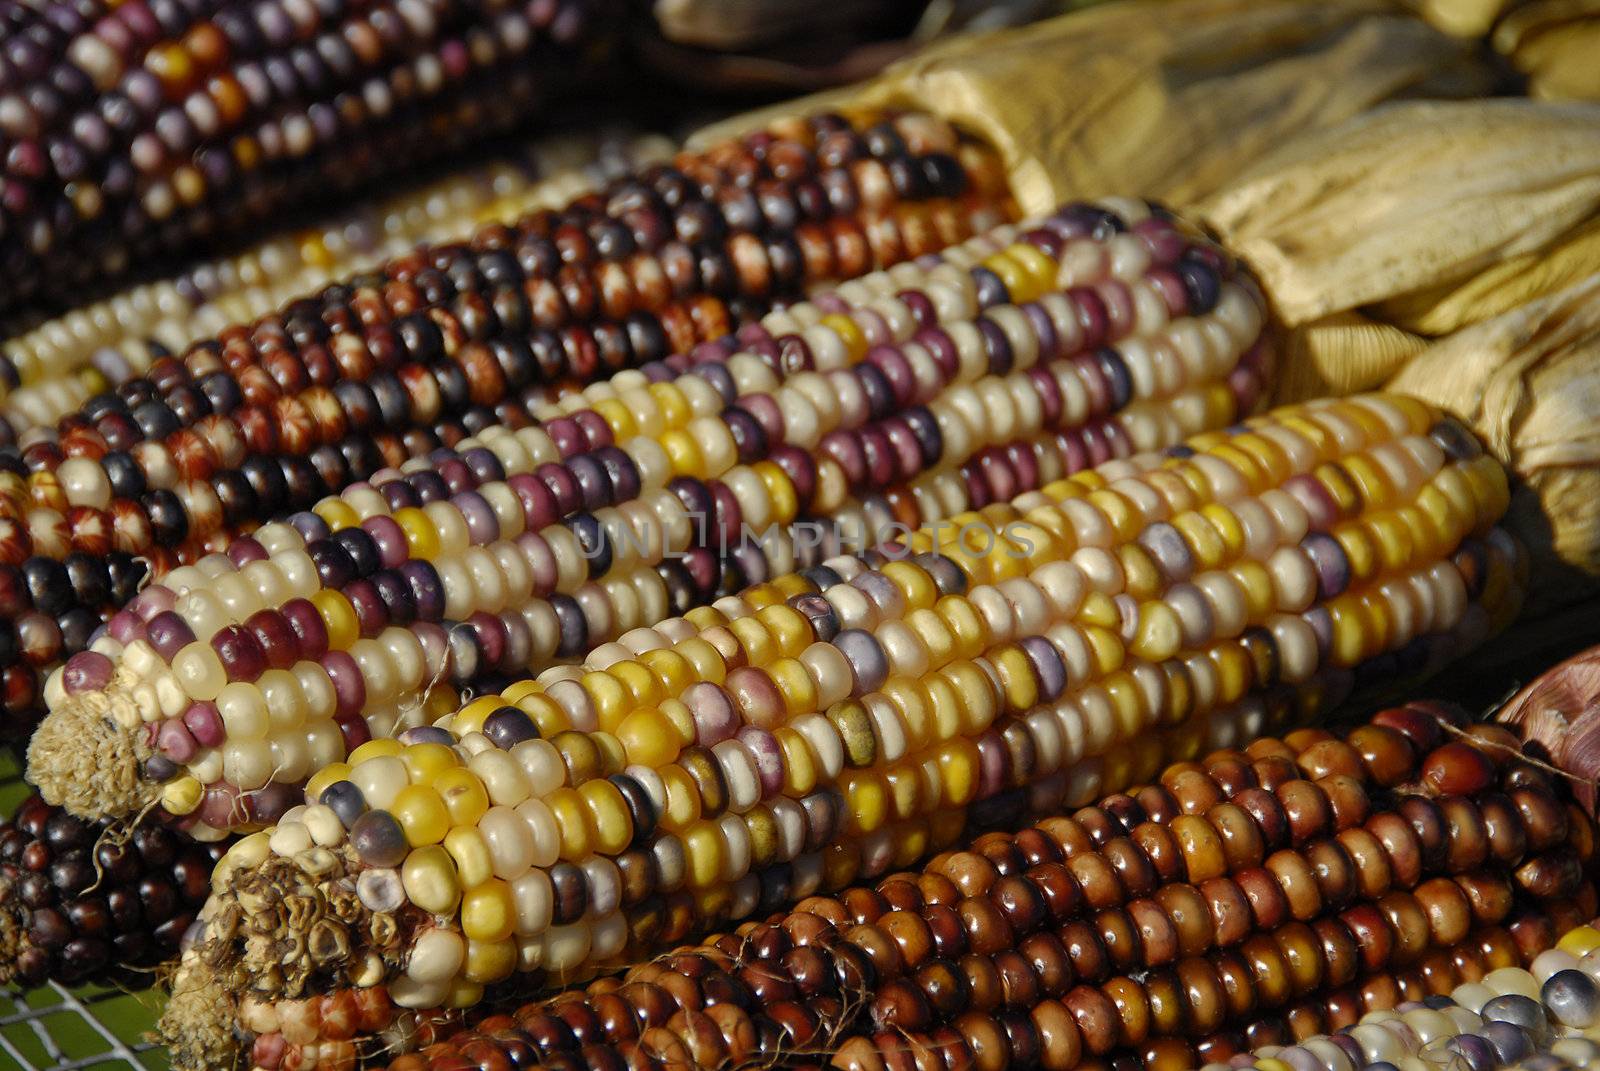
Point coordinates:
[(56, 1029)]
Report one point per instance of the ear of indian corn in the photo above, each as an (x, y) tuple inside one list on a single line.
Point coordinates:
[(135, 136), (834, 725), (1233, 890), (64, 361), (608, 516), (94, 901), (449, 340), (1541, 1015)]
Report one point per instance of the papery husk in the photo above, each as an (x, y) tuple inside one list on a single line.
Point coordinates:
[(1528, 381), (1159, 98), (1408, 197), (1555, 44), (1450, 250), (1464, 18), (1560, 712)]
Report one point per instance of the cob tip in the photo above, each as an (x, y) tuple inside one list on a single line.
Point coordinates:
[(13, 930), (87, 754), (276, 929), (196, 1025)]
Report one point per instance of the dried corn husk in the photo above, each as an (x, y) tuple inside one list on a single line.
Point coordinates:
[(1408, 197), (1560, 710), (1555, 43), (1529, 382), (1452, 251), (1165, 98)]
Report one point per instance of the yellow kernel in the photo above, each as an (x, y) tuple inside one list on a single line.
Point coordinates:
[(336, 771), (1580, 940), (1018, 685), (1107, 649), (780, 491), (672, 670), (799, 762), (703, 851), (758, 644), (675, 408), (471, 717), (182, 796), (866, 801), (488, 962), (422, 535), (464, 795), (786, 627), (683, 454), (958, 771), (1141, 576), (1159, 633), (648, 738), (338, 618), (681, 720), (794, 684), (682, 807), (609, 816), (546, 713), (464, 994), (572, 819), (615, 413), (609, 697), (424, 762), (488, 912), (706, 659), (421, 813), (338, 513), (470, 853), (855, 343), (383, 747), (429, 878), (518, 690), (642, 687)]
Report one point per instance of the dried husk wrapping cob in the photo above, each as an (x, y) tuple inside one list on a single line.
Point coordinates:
[(1479, 296), (1552, 43), (344, 926), (1170, 98)]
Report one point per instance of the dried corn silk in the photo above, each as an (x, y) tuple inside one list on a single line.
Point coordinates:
[(1529, 382), (1163, 98), (1332, 221)]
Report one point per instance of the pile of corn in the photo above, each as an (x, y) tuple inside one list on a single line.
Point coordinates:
[(489, 593)]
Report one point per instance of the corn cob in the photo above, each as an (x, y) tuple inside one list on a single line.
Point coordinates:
[(620, 277), (64, 361), (84, 902), (1509, 1018), (254, 457), (135, 133), (707, 446), (779, 747), (1231, 888)]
